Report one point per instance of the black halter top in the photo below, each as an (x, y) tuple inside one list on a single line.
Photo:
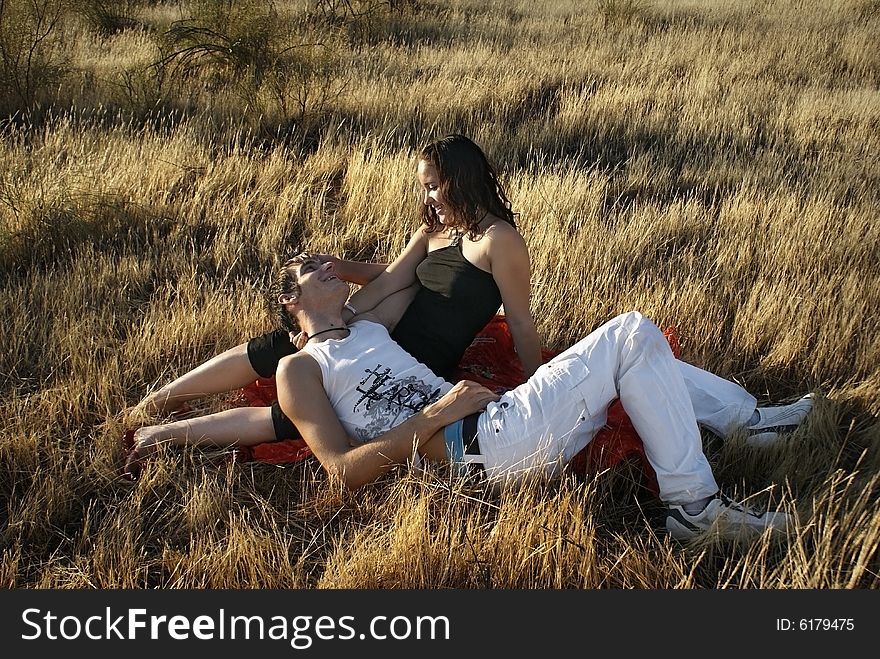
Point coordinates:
[(454, 303)]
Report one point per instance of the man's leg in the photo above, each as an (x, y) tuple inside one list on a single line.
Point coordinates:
[(548, 419), (720, 405), (240, 426), (561, 407), (655, 397), (633, 352), (724, 407), (227, 371)]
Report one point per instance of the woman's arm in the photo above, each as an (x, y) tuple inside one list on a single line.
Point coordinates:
[(389, 311), (511, 269), (398, 275)]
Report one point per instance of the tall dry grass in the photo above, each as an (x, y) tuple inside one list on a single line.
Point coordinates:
[(715, 167)]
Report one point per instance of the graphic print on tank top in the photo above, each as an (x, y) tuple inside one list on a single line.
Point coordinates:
[(385, 401)]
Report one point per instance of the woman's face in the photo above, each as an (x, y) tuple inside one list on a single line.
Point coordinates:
[(429, 179)]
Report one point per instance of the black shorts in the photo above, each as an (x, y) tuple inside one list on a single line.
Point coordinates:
[(284, 428), (264, 353)]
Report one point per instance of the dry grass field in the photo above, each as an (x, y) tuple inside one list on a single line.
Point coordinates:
[(713, 165)]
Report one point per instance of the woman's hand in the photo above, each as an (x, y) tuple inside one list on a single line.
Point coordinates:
[(354, 272), (329, 258)]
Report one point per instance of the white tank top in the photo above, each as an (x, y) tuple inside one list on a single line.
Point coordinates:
[(373, 383)]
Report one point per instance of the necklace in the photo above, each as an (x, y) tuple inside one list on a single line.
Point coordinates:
[(457, 233), (330, 329)]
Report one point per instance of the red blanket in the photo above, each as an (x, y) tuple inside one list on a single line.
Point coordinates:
[(491, 361)]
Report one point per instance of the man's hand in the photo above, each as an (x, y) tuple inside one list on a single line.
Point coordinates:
[(299, 339), (465, 398)]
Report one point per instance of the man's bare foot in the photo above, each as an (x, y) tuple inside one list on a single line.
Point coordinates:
[(139, 444), (161, 405), (158, 404)]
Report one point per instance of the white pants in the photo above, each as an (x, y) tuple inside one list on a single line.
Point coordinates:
[(535, 429), (720, 405)]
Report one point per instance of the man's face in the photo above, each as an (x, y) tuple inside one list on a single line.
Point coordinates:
[(319, 284)]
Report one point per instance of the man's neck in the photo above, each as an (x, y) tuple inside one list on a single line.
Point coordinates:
[(312, 324)]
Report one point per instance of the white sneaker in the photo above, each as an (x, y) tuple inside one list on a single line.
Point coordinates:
[(773, 421), (726, 519)]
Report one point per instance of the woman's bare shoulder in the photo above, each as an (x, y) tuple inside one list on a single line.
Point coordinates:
[(505, 235)]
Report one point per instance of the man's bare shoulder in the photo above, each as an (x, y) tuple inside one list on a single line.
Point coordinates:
[(300, 364)]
